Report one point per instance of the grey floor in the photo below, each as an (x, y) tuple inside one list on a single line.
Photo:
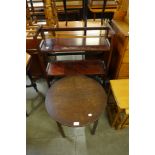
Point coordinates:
[(43, 137)]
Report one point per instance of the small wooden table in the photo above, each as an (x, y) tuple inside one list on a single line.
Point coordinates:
[(76, 101), (120, 91)]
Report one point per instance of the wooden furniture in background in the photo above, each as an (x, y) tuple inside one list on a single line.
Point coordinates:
[(41, 10), (37, 67), (76, 101), (28, 64), (51, 15), (101, 6), (33, 40), (122, 10), (125, 121), (32, 31), (119, 67), (118, 110), (32, 49)]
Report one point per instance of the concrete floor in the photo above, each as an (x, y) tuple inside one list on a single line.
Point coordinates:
[(43, 137)]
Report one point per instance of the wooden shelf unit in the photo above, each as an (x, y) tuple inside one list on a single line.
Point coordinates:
[(78, 46)]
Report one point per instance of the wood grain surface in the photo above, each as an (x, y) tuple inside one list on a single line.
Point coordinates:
[(75, 101)]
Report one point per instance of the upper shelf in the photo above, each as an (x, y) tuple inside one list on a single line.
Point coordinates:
[(75, 44)]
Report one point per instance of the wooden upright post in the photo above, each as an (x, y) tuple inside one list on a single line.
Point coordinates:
[(50, 13)]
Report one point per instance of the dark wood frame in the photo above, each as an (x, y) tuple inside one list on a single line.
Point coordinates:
[(110, 33)]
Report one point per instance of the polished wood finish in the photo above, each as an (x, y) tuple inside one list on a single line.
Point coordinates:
[(119, 66), (79, 46), (38, 65), (57, 46), (75, 101), (32, 49), (77, 28), (118, 111), (94, 67), (45, 28), (33, 44), (75, 44)]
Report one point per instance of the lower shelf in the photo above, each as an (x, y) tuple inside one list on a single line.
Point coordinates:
[(85, 67)]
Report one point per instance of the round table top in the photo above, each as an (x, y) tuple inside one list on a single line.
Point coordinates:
[(75, 100)]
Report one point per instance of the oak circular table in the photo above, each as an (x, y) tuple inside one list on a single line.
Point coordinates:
[(75, 101)]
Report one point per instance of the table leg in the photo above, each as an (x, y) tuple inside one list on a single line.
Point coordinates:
[(61, 129), (33, 84), (94, 127), (124, 121), (115, 119)]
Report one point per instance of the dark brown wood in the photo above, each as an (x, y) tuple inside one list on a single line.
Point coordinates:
[(85, 8), (63, 46), (38, 65), (65, 10), (32, 43), (87, 67), (75, 101), (108, 28), (46, 28), (94, 127), (119, 64), (32, 48), (61, 129), (75, 44)]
